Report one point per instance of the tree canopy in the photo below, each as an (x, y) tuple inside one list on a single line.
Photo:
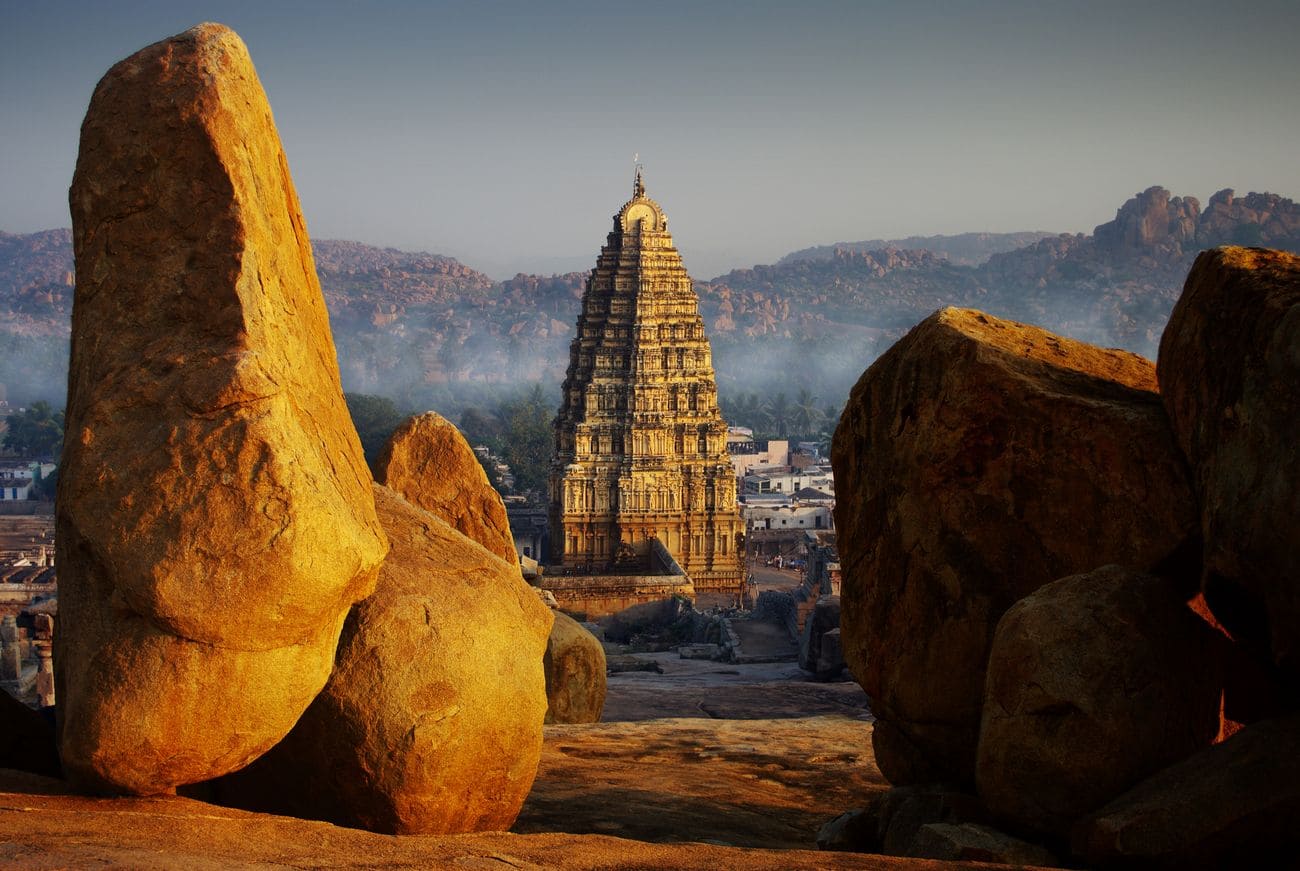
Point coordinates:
[(36, 431), (375, 418)]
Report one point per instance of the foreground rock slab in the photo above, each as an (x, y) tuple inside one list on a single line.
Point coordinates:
[(432, 720), (744, 783), (215, 521), (1230, 370), (43, 831), (430, 464), (977, 460), (1094, 682)]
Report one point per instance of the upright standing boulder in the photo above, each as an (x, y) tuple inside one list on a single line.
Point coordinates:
[(432, 720), (575, 673), (977, 460), (431, 465), (1094, 682), (215, 520), (1230, 373)]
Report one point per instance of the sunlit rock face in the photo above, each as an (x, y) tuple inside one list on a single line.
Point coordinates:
[(976, 461), (430, 464), (1229, 366), (432, 720), (215, 519)]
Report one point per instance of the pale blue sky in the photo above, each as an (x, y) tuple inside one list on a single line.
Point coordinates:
[(503, 133)]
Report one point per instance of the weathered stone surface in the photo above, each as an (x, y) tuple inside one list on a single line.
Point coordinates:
[(432, 719), (575, 673), (976, 843), (977, 460), (825, 616), (26, 739), (215, 521), (429, 463), (1229, 369), (1232, 805), (1094, 682)]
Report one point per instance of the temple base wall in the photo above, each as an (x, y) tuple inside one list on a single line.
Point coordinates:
[(595, 596)]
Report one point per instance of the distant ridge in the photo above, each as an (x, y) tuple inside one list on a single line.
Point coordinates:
[(423, 327), (963, 249)]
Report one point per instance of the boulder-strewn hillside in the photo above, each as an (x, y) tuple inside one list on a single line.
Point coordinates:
[(413, 326), (36, 280)]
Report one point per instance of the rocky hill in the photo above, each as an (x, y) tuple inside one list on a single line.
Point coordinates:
[(425, 328)]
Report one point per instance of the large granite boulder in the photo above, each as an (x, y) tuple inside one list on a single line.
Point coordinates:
[(977, 460), (432, 720), (1233, 805), (575, 673), (1229, 368), (1094, 682), (430, 464), (215, 521)]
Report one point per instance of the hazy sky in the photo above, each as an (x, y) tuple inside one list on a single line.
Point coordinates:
[(503, 133)]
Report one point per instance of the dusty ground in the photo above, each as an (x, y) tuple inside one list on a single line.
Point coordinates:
[(26, 533), (719, 690)]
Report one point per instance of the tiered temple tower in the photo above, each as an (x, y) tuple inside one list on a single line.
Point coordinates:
[(640, 446)]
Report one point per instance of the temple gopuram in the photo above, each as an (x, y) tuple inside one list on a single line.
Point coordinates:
[(641, 483)]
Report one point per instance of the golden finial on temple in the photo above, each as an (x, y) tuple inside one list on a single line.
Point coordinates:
[(638, 187)]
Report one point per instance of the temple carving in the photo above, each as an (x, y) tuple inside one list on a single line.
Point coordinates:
[(640, 445)]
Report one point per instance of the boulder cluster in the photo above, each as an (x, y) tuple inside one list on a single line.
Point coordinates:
[(1072, 576), (234, 588)]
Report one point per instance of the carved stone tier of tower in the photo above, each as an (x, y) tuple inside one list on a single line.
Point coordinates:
[(640, 446)]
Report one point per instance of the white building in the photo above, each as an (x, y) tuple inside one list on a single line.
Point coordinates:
[(760, 516), (787, 480), (748, 455)]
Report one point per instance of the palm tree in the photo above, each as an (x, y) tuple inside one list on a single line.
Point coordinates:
[(741, 410), (778, 413), (806, 415)]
